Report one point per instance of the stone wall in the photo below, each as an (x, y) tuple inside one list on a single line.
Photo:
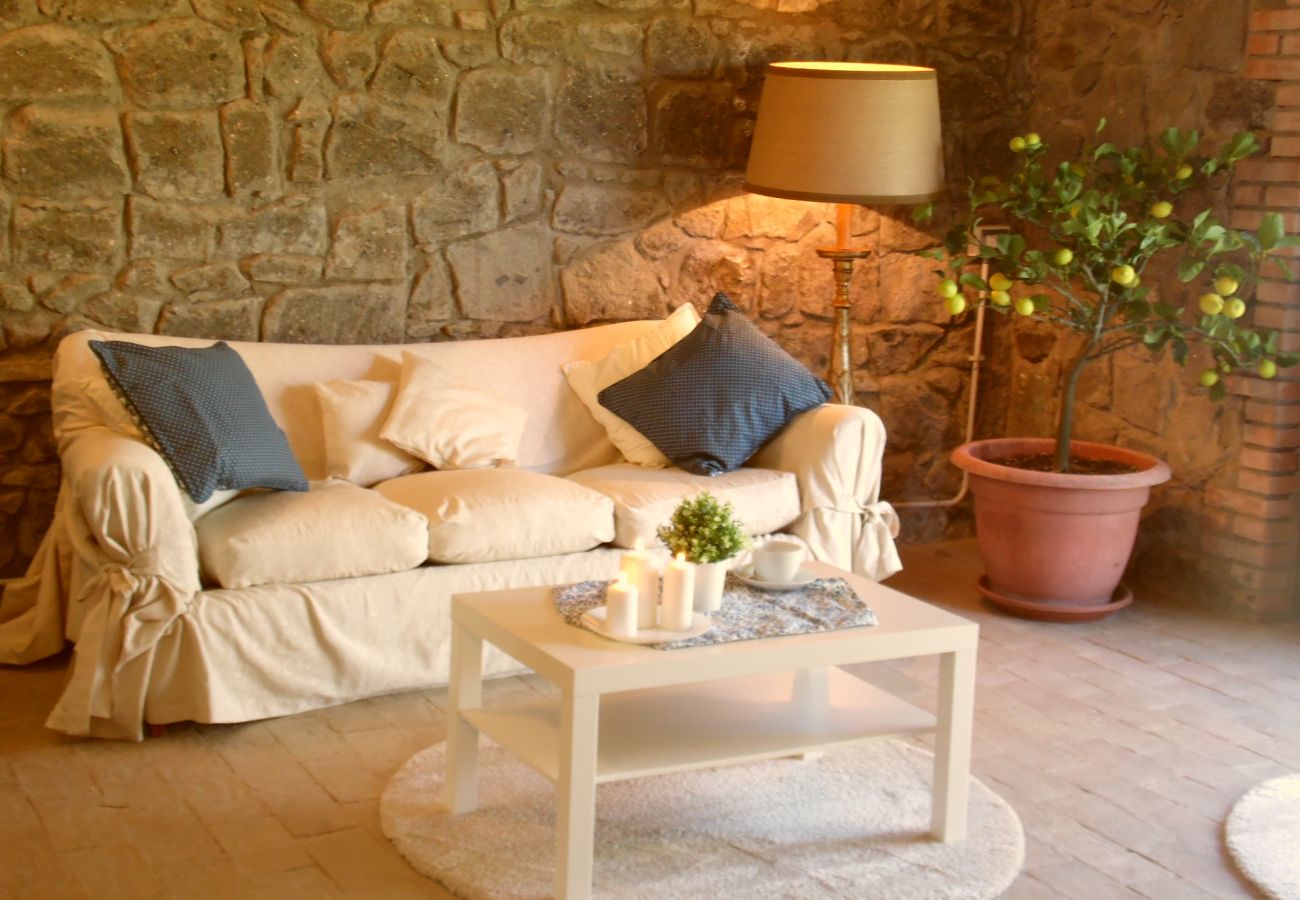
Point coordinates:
[(405, 170)]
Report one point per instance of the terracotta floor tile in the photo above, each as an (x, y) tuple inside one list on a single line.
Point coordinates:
[(1121, 744)]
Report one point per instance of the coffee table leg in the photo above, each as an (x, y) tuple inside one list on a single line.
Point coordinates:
[(464, 692), (576, 796), (952, 745)]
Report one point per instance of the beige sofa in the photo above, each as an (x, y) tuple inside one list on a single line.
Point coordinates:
[(119, 572)]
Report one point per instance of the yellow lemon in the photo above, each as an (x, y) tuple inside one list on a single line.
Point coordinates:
[(1123, 275), (1161, 209), (1209, 378), (1017, 144), (1226, 285), (1234, 307), (1063, 257), (1000, 298), (1032, 139), (1025, 306), (955, 305), (1210, 304), (947, 288), (1184, 172), (999, 282), (1266, 368)]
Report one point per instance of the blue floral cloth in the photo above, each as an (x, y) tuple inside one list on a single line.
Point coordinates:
[(826, 604)]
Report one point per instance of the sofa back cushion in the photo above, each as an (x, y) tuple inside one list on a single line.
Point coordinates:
[(560, 437)]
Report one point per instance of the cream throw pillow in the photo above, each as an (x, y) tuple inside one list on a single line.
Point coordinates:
[(589, 378), (351, 415), (450, 424), (334, 530), (493, 514)]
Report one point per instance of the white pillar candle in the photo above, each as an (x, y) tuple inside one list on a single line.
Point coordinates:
[(642, 571), (620, 608), (679, 594)]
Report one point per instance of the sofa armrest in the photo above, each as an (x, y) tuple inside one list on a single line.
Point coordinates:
[(136, 568), (835, 452)]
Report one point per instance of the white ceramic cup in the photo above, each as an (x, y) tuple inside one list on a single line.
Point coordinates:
[(777, 561)]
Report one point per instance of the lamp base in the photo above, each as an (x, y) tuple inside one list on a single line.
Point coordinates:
[(840, 376)]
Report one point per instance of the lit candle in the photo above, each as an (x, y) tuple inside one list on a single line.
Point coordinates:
[(679, 594), (642, 571), (620, 608)]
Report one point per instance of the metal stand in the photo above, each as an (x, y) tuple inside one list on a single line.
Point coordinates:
[(840, 375)]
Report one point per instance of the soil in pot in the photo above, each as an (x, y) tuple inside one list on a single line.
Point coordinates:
[(1079, 465)]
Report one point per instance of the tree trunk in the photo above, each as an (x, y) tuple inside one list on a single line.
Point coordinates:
[(1065, 427)]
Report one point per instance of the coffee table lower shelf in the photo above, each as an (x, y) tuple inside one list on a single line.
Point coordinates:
[(670, 729)]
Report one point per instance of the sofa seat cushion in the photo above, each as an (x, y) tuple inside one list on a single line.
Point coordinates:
[(764, 500), (334, 530), (484, 515)]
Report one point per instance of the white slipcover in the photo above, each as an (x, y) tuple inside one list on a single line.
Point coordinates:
[(118, 570)]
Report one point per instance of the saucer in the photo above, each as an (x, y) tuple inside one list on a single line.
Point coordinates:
[(595, 620), (802, 578)]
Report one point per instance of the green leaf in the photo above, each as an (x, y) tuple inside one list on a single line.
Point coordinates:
[(1218, 391), (1189, 269), (932, 253), (1101, 123), (1285, 360), (1103, 150), (1281, 264), (1180, 351), (970, 279), (922, 212), (1243, 144), (1231, 270), (1271, 230)]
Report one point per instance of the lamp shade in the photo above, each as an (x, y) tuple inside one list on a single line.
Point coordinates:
[(847, 133)]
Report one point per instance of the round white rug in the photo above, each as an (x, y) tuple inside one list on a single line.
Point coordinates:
[(1263, 835), (853, 823)]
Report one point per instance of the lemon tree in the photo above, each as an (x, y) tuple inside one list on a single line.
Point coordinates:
[(1082, 233)]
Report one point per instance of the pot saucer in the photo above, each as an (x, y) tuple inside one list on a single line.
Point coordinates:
[(1055, 612)]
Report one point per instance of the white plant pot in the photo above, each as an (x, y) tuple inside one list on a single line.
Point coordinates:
[(709, 581)]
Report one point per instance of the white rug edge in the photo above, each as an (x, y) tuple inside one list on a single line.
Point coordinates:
[(1251, 844), (1004, 880)]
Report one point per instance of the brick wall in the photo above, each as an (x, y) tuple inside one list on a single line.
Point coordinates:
[(1254, 518)]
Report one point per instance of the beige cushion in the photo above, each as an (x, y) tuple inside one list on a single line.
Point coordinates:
[(334, 530), (450, 424), (492, 514), (764, 500), (351, 415), (588, 379)]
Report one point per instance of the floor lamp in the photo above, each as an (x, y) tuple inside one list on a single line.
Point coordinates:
[(846, 133)]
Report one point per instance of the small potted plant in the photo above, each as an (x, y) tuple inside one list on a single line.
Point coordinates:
[(1083, 232), (708, 535)]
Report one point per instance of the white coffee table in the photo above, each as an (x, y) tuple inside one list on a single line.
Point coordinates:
[(666, 711)]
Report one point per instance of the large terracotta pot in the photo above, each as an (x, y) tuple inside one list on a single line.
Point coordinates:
[(1055, 544)]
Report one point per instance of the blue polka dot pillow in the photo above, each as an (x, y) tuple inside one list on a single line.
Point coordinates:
[(712, 399), (202, 411)]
